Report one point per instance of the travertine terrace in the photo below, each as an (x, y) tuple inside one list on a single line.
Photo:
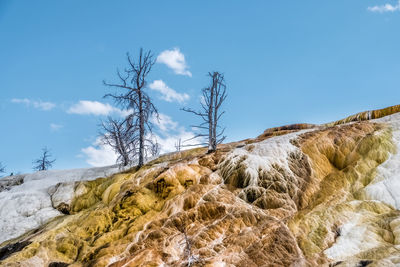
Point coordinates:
[(299, 195)]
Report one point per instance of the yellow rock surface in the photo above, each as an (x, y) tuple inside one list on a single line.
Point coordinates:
[(293, 196)]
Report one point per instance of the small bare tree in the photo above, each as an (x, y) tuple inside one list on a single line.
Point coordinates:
[(212, 99), (154, 150), (133, 97), (178, 145), (119, 135), (2, 168), (188, 253), (44, 162)]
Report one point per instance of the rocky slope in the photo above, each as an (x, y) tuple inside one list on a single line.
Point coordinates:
[(299, 195)]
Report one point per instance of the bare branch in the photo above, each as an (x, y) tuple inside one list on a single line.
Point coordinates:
[(43, 163), (188, 253), (212, 99), (2, 168), (197, 144), (194, 112), (178, 145), (127, 137)]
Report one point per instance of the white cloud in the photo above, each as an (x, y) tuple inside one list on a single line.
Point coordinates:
[(85, 107), (175, 60), (385, 8), (164, 122), (36, 104), (55, 127), (98, 154), (168, 94)]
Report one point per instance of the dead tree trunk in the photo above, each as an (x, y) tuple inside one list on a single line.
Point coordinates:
[(210, 107), (43, 163), (213, 97), (135, 99), (141, 129)]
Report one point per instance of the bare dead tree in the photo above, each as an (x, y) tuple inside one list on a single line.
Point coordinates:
[(154, 150), (44, 162), (178, 145), (210, 113), (120, 136), (188, 248), (188, 253), (132, 82), (2, 168)]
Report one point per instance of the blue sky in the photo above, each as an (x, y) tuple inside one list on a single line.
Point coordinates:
[(284, 62)]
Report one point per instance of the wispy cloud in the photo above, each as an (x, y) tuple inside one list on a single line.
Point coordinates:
[(164, 122), (175, 60), (168, 94), (55, 127), (39, 104), (86, 107), (385, 8)]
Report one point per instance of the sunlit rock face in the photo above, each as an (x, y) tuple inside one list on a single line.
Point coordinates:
[(299, 195)]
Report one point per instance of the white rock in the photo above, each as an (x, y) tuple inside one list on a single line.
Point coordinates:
[(28, 206)]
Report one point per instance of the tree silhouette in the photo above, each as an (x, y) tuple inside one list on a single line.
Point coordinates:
[(44, 162)]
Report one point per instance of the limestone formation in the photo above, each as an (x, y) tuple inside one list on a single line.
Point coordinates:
[(300, 195)]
